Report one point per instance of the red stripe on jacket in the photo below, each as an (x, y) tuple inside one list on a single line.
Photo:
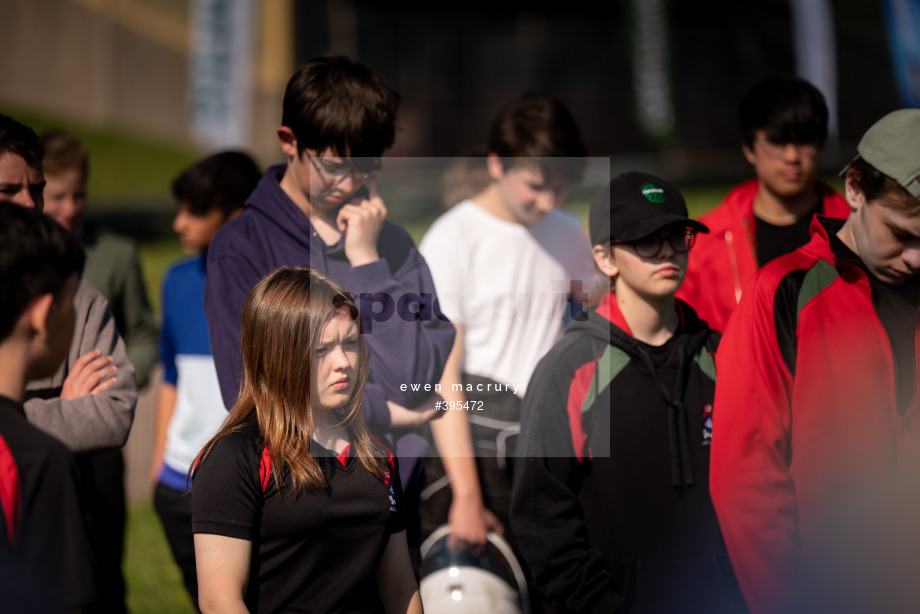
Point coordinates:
[(9, 490)]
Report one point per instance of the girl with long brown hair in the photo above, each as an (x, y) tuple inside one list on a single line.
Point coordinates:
[(295, 507)]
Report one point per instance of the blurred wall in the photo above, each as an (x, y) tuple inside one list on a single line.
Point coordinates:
[(124, 64), (116, 63)]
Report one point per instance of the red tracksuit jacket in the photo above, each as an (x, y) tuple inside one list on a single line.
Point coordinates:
[(723, 261), (809, 434)]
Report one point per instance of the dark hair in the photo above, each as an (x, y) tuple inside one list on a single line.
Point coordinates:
[(37, 257), (465, 176), (64, 152), (332, 102), (542, 130), (875, 184), (788, 109), (221, 181), (19, 139)]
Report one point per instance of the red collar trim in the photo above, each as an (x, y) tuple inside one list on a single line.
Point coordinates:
[(816, 227), (342, 456), (609, 309)]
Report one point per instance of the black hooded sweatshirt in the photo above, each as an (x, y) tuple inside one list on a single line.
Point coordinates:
[(611, 502)]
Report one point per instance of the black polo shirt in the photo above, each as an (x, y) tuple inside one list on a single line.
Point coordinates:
[(317, 552)]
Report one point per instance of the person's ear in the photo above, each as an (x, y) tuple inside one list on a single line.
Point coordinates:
[(288, 142), (38, 311), (748, 154), (854, 195), (603, 258), (494, 164)]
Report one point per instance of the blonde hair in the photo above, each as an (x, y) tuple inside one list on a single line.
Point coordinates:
[(281, 323), (64, 152)]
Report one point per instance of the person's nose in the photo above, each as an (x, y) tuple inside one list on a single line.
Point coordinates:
[(792, 152), (26, 199), (339, 359), (666, 251), (911, 257), (346, 183), (71, 206), (179, 222), (546, 201)]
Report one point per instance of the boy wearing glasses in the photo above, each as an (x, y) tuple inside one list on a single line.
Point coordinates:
[(338, 118), (783, 125), (611, 500)]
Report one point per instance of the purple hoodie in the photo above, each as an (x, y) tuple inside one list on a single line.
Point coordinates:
[(408, 340)]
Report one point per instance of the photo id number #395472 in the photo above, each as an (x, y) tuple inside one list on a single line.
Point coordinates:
[(459, 405)]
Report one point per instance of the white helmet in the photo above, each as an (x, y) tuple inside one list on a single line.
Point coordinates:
[(459, 580)]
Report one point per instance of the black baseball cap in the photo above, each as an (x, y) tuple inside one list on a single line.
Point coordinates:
[(634, 205)]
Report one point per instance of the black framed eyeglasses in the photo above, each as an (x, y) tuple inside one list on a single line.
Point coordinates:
[(336, 172), (650, 246)]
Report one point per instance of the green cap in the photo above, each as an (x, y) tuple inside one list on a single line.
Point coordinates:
[(892, 147)]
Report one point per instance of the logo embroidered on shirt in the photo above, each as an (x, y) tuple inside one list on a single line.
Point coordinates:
[(389, 484), (707, 424)]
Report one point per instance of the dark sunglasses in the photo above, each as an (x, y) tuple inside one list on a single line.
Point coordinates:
[(650, 246)]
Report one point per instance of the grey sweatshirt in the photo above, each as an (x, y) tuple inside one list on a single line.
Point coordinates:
[(92, 422)]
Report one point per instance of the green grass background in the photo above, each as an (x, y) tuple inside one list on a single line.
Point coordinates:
[(154, 582), (124, 167)]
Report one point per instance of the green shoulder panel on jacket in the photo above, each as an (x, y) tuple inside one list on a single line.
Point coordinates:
[(706, 361), (609, 366), (819, 276)]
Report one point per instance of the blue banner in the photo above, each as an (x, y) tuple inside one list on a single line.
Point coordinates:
[(902, 21)]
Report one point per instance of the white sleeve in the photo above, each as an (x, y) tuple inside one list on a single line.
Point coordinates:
[(445, 257)]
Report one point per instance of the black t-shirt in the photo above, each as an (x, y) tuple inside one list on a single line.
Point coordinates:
[(318, 552), (46, 564), (774, 241), (896, 307)]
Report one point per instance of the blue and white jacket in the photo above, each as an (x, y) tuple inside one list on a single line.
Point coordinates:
[(185, 354)]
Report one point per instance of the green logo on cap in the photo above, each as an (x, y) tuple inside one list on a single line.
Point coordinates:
[(653, 193)]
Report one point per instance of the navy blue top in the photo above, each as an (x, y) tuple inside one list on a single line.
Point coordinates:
[(408, 343)]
